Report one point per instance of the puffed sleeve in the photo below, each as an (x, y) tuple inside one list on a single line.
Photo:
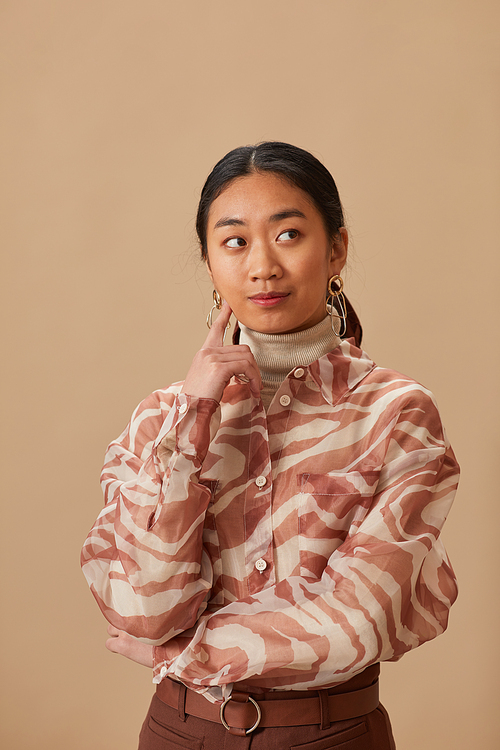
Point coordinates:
[(144, 558), (385, 590)]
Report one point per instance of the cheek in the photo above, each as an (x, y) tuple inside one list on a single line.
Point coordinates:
[(226, 280), (215, 268), (316, 274)]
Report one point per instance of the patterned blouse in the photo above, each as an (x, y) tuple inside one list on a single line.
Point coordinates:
[(287, 550)]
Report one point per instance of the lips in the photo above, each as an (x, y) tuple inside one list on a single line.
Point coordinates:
[(269, 295), (268, 299)]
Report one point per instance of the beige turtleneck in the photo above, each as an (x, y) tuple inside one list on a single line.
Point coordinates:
[(277, 354)]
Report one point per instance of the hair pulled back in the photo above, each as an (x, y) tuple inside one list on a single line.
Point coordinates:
[(299, 167)]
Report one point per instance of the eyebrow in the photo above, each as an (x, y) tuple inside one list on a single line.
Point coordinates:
[(229, 221)]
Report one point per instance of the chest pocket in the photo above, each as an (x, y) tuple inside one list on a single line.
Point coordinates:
[(331, 508)]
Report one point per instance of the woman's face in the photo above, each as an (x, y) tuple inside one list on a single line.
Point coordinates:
[(269, 255)]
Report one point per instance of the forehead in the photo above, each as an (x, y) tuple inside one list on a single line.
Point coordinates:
[(258, 196)]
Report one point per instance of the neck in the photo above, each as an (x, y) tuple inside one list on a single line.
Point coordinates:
[(277, 354)]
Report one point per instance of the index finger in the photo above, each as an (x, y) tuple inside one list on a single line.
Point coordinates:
[(216, 334)]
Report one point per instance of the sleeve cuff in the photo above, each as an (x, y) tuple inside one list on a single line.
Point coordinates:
[(190, 426), (160, 664)]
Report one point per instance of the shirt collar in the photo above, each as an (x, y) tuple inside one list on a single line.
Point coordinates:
[(340, 370), (337, 372)]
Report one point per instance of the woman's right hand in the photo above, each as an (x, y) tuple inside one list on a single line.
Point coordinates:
[(126, 645), (214, 365)]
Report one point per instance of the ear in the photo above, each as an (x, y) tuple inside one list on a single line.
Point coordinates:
[(209, 270), (339, 252)]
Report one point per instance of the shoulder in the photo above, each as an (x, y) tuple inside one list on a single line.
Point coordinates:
[(394, 381), (159, 402), (385, 385), (401, 406), (147, 419)]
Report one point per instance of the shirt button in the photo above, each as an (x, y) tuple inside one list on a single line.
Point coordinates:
[(183, 408), (298, 372), (260, 481), (261, 565), (285, 400), (163, 672)]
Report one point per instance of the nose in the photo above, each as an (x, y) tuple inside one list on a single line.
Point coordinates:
[(264, 263)]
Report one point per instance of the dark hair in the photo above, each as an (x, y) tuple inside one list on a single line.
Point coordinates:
[(299, 167)]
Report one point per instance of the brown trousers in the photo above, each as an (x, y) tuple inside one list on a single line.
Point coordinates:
[(166, 728)]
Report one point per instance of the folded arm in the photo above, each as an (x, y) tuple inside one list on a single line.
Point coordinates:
[(387, 589)]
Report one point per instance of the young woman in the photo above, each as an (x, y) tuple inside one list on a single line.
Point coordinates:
[(271, 527)]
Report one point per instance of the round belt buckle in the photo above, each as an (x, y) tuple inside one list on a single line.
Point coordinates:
[(252, 728)]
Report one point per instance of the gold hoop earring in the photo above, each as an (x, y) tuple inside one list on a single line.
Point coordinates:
[(333, 295), (216, 306)]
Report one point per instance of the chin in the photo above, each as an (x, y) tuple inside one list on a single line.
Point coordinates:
[(276, 328)]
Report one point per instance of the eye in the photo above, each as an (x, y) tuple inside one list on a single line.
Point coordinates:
[(235, 242), (290, 234)]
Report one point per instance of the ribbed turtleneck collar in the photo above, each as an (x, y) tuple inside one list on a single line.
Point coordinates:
[(277, 354)]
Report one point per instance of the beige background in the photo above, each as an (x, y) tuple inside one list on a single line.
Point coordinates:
[(114, 111)]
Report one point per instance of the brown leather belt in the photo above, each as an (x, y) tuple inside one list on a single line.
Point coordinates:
[(244, 712)]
